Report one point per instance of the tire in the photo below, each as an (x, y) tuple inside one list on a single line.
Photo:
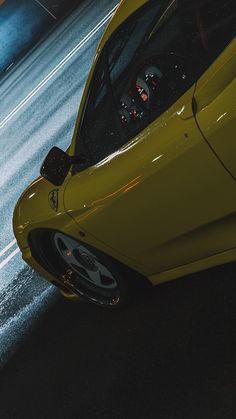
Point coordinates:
[(90, 273)]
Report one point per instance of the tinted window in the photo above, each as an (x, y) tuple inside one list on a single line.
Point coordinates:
[(148, 63), (208, 25), (101, 131)]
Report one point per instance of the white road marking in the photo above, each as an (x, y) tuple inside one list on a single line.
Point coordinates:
[(3, 251), (10, 66), (45, 8), (56, 69), (9, 257), (33, 92)]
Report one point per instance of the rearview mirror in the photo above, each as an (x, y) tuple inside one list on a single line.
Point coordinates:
[(57, 164)]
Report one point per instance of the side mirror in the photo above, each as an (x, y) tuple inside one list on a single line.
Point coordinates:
[(57, 164)]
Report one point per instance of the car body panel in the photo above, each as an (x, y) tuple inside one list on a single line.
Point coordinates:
[(199, 265), (153, 200), (216, 107), (34, 210)]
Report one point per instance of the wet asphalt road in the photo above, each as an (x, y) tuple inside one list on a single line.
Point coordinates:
[(171, 354), (38, 107)]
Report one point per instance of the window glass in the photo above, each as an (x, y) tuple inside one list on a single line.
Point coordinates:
[(208, 26), (101, 131), (156, 77), (147, 64), (185, 39)]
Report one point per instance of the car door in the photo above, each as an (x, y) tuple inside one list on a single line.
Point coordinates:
[(162, 198), (215, 100)]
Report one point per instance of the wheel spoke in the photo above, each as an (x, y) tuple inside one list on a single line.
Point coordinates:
[(95, 278), (69, 243), (66, 247), (64, 244), (104, 271), (71, 260), (94, 273), (84, 250)]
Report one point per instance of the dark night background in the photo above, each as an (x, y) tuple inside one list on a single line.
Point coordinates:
[(171, 354)]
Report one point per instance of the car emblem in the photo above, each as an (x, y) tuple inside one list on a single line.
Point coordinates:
[(53, 199)]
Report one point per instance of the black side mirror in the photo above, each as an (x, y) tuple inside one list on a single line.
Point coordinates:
[(57, 164)]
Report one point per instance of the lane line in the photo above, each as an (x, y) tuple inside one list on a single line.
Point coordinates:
[(33, 93), (3, 251), (10, 66), (57, 68), (5, 261), (45, 8)]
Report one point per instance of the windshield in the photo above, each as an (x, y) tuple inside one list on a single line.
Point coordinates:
[(147, 64)]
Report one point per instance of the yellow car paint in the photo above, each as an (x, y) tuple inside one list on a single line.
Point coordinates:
[(215, 89), (154, 201), (164, 204)]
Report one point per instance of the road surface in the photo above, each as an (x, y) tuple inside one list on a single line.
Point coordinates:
[(38, 108)]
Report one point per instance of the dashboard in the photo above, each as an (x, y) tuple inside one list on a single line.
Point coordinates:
[(150, 90)]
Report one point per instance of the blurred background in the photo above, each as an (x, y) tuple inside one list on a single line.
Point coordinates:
[(24, 22)]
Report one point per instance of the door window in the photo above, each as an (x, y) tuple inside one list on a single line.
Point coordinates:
[(147, 64)]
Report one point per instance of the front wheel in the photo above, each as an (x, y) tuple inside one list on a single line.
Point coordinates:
[(90, 273)]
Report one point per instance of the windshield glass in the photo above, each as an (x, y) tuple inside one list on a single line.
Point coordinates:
[(147, 64)]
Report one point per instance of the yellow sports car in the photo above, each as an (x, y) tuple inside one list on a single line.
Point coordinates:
[(146, 190)]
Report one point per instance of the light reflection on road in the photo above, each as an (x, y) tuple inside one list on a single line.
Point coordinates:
[(47, 120)]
